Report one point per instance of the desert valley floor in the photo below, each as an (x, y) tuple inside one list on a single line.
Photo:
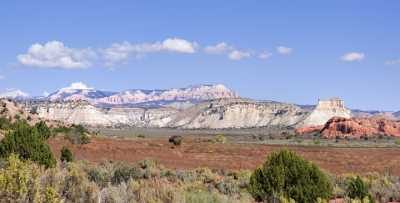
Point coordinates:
[(197, 152)]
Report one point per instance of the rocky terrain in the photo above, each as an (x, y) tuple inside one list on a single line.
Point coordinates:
[(195, 107), (355, 127), (212, 114)]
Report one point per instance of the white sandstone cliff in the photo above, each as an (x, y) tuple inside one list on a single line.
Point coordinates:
[(325, 110)]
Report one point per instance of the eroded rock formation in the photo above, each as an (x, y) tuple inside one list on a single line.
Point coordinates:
[(355, 127), (325, 110)]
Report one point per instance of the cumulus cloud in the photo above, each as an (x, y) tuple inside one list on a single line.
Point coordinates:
[(264, 55), (353, 56), (238, 55), (393, 62), (219, 48), (122, 51), (54, 54), (226, 49), (284, 50), (179, 45)]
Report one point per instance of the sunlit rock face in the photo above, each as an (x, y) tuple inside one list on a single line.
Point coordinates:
[(215, 114), (80, 112), (325, 110), (211, 114), (238, 113)]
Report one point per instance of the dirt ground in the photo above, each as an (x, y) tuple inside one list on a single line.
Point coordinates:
[(195, 153)]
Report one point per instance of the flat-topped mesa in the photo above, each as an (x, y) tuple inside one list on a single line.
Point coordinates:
[(325, 110), (331, 104)]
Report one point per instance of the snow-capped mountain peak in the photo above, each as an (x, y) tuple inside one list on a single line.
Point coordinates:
[(14, 94), (80, 91)]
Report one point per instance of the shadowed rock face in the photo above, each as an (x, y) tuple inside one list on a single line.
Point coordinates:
[(355, 127)]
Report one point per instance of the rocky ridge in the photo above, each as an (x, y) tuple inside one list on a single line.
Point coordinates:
[(355, 127), (212, 114), (194, 94)]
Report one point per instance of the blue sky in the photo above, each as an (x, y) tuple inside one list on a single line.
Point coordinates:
[(291, 51)]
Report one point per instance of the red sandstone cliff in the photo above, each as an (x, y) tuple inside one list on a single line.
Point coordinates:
[(355, 127)]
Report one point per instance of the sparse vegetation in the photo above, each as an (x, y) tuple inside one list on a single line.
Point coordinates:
[(147, 181), (76, 134), (288, 175)]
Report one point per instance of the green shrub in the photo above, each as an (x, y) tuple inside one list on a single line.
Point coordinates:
[(141, 136), (397, 141), (317, 142), (17, 116), (28, 144), (220, 139), (286, 174), (176, 140), (43, 130), (66, 155), (356, 188), (98, 176), (5, 124), (77, 134)]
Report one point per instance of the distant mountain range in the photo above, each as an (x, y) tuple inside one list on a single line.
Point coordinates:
[(137, 97), (175, 97)]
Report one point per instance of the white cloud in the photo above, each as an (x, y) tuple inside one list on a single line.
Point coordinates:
[(264, 55), (219, 48), (179, 45), (353, 56), (122, 51), (393, 62), (284, 50), (238, 55), (54, 54), (228, 50)]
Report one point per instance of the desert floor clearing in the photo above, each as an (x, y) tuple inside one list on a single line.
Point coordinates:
[(195, 153)]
